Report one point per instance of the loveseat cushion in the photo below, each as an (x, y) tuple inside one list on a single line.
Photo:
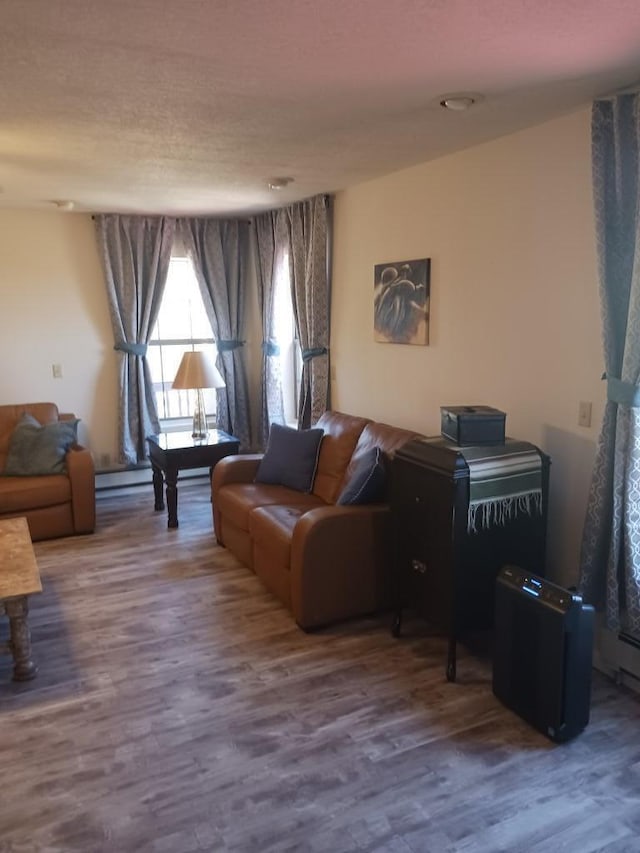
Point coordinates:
[(20, 494), (236, 501), (341, 433), (271, 529)]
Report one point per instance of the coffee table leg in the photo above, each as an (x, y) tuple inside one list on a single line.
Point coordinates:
[(171, 478), (17, 609), (157, 488)]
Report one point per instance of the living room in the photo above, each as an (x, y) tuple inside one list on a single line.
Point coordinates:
[(515, 323)]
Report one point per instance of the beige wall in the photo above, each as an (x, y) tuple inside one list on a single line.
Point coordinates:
[(514, 303), (53, 310), (514, 309)]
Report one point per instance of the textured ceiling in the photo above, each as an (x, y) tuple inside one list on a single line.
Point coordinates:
[(191, 106)]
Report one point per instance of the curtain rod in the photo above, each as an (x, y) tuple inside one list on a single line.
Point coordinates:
[(327, 197), (159, 215), (631, 89)]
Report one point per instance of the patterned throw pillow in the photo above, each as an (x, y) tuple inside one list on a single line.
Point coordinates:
[(35, 449), (291, 458)]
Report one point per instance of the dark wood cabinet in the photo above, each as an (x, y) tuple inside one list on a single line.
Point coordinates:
[(446, 565)]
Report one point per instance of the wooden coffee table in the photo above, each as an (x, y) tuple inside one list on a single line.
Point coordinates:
[(170, 452), (19, 578)]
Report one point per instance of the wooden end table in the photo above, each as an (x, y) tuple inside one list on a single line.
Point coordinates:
[(19, 578), (171, 452)]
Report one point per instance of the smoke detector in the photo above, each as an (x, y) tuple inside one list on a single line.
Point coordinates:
[(279, 183)]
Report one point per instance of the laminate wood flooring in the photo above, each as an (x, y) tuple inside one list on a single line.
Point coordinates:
[(178, 708)]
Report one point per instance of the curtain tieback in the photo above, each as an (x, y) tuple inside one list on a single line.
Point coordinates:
[(132, 349), (270, 348), (621, 392), (308, 354), (228, 344)]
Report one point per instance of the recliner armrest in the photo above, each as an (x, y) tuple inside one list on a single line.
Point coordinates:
[(235, 469), (340, 563), (80, 470)]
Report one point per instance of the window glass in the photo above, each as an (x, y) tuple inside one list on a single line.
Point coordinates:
[(182, 325), (284, 329)]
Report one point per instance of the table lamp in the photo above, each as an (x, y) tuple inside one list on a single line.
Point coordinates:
[(196, 371)]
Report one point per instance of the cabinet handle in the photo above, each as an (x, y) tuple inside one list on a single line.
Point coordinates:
[(418, 566)]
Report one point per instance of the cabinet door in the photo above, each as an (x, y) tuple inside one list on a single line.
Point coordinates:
[(422, 506)]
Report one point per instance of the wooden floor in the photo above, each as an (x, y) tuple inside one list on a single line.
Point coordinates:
[(178, 708)]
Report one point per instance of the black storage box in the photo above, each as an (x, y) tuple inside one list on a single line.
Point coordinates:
[(472, 424)]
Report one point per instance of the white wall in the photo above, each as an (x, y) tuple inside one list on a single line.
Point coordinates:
[(514, 302), (53, 310)]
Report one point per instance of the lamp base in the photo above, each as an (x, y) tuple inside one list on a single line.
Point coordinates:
[(200, 429)]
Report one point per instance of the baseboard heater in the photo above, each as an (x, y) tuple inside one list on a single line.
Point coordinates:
[(543, 650)]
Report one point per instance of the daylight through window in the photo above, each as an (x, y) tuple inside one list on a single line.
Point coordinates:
[(182, 325)]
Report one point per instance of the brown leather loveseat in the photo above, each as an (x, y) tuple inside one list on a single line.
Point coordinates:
[(323, 561), (54, 505)]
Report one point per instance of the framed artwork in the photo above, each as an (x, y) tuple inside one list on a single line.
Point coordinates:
[(401, 302)]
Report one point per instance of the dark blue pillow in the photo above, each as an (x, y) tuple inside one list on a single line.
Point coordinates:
[(291, 458), (368, 481)]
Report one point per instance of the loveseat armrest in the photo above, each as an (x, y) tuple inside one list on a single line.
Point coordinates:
[(235, 469), (80, 470), (340, 563)]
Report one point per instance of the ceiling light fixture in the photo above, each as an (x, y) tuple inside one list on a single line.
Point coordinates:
[(457, 103), (279, 183)]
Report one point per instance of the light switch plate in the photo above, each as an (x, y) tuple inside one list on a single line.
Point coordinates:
[(584, 414)]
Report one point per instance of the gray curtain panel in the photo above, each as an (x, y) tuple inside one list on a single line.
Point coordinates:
[(272, 238), (309, 223), (135, 252), (218, 250), (610, 558)]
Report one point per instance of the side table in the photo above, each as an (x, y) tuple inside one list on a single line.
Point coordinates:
[(171, 452)]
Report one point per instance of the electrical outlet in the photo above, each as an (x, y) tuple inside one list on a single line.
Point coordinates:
[(56, 369), (584, 414)]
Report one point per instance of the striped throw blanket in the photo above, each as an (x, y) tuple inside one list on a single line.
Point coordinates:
[(504, 482)]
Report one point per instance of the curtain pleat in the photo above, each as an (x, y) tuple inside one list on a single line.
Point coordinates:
[(610, 554), (272, 239), (309, 224), (135, 252), (218, 250)]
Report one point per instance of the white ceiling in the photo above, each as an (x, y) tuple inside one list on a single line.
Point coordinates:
[(191, 106)]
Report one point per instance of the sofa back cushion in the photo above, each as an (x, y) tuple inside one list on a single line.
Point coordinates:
[(387, 438), (44, 413), (341, 434)]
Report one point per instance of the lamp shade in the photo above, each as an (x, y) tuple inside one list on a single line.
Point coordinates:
[(197, 371)]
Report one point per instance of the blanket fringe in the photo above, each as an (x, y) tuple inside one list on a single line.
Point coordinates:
[(484, 514)]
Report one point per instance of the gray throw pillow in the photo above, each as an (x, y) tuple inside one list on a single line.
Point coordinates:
[(291, 458), (368, 482), (35, 449)]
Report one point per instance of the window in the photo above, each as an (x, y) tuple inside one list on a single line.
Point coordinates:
[(182, 324)]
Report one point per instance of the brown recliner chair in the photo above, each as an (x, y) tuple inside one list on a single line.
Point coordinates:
[(53, 504)]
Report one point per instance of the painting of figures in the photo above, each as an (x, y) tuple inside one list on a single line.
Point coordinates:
[(401, 302)]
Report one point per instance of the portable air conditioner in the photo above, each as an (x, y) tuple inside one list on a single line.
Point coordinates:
[(542, 659)]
